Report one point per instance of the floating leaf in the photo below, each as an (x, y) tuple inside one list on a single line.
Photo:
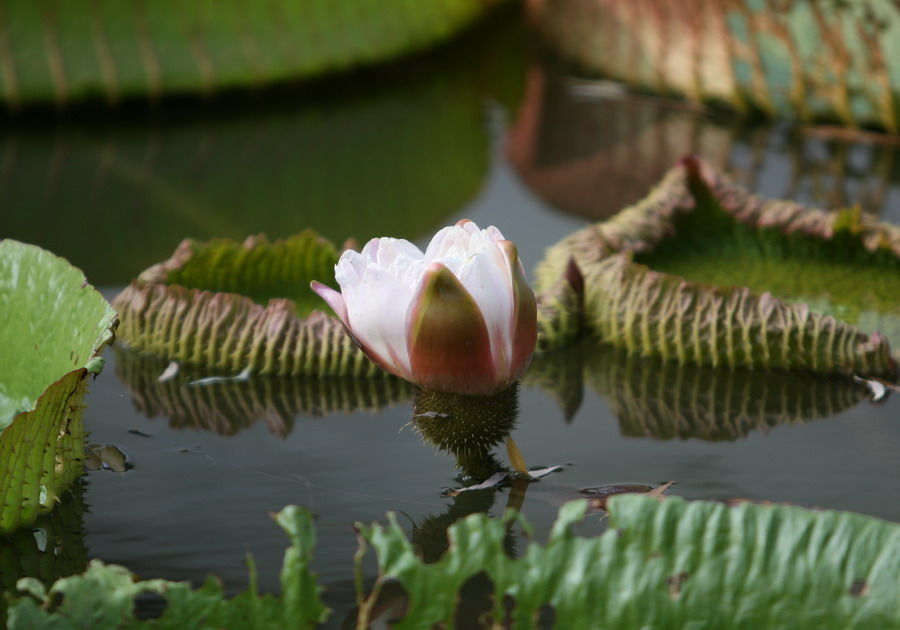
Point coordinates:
[(598, 498), (53, 328), (103, 597), (666, 563), (820, 61), (276, 167), (228, 307), (652, 313), (117, 50)]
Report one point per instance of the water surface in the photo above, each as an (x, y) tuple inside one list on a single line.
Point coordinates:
[(534, 152)]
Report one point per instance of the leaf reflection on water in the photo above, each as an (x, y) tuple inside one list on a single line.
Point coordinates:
[(228, 405), (664, 400)]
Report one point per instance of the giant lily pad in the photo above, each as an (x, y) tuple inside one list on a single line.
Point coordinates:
[(116, 50), (53, 328), (228, 307), (816, 61), (662, 565), (695, 212), (329, 163)]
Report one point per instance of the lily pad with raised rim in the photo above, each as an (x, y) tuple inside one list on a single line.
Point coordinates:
[(832, 62), (694, 211), (231, 307), (53, 328)]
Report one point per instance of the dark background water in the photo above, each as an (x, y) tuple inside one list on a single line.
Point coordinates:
[(490, 130)]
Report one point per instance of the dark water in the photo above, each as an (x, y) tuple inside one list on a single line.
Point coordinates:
[(504, 142)]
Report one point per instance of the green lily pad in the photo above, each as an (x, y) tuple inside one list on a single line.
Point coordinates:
[(103, 597), (662, 564), (53, 328), (329, 159), (695, 212), (834, 277), (116, 50), (231, 307)]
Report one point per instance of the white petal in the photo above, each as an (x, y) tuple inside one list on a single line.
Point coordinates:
[(450, 242), (494, 234), (486, 277), (376, 309), (370, 250), (349, 268), (436, 245), (396, 252)]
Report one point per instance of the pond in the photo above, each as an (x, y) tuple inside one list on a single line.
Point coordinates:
[(487, 130)]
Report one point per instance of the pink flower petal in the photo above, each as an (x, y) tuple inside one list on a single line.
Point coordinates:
[(334, 299), (337, 303)]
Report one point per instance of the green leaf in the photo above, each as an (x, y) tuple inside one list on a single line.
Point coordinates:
[(242, 307), (53, 327), (664, 564), (273, 169), (694, 209), (661, 564), (257, 268), (103, 597), (69, 51), (299, 588)]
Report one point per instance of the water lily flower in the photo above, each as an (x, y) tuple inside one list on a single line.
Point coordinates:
[(459, 318)]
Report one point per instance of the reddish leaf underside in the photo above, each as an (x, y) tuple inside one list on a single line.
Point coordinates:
[(448, 339)]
